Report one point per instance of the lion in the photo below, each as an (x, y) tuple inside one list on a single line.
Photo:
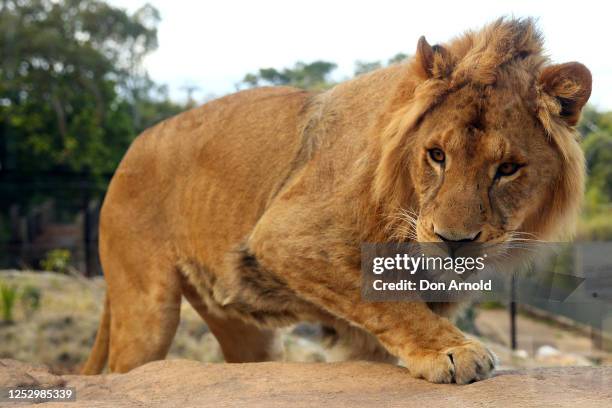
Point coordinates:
[(253, 206)]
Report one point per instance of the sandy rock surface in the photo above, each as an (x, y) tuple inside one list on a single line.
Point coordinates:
[(182, 383)]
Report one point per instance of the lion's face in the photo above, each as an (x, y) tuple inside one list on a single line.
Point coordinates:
[(482, 165), (479, 142)]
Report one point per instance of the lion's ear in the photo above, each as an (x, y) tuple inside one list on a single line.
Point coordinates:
[(432, 62), (570, 85)]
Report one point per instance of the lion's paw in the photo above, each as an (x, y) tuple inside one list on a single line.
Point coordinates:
[(463, 364)]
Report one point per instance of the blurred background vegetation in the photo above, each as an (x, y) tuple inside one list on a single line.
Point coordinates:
[(74, 94)]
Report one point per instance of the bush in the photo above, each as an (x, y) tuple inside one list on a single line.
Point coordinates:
[(596, 226), (57, 260), (8, 296)]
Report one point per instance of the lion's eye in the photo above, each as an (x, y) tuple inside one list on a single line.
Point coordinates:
[(437, 155), (507, 169)]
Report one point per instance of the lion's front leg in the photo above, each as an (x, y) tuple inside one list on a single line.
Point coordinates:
[(328, 277), (430, 345), (444, 355)]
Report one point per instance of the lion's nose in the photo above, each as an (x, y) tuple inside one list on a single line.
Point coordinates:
[(447, 236), (454, 240)]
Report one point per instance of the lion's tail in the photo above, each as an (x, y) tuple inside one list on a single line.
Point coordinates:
[(99, 354)]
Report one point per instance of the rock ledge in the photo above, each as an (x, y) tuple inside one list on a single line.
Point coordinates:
[(182, 383)]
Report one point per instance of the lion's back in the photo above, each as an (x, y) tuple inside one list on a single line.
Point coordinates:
[(207, 174)]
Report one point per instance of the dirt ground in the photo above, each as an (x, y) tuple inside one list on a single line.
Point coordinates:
[(60, 332)]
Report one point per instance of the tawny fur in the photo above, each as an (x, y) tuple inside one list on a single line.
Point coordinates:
[(254, 205)]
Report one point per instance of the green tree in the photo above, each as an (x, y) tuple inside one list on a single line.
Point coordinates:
[(596, 130), (399, 57), (63, 67), (314, 75), (362, 67), (73, 93)]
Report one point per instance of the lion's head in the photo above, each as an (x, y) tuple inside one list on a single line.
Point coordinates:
[(480, 139)]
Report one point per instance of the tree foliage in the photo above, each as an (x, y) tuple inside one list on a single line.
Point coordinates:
[(314, 75), (362, 67), (73, 95), (311, 76), (597, 144), (73, 92)]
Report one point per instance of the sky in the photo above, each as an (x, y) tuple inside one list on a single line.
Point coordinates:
[(213, 44)]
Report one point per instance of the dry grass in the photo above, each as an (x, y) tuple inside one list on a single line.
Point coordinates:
[(61, 332)]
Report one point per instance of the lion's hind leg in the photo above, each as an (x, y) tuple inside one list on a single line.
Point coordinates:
[(144, 302), (345, 342), (241, 342)]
